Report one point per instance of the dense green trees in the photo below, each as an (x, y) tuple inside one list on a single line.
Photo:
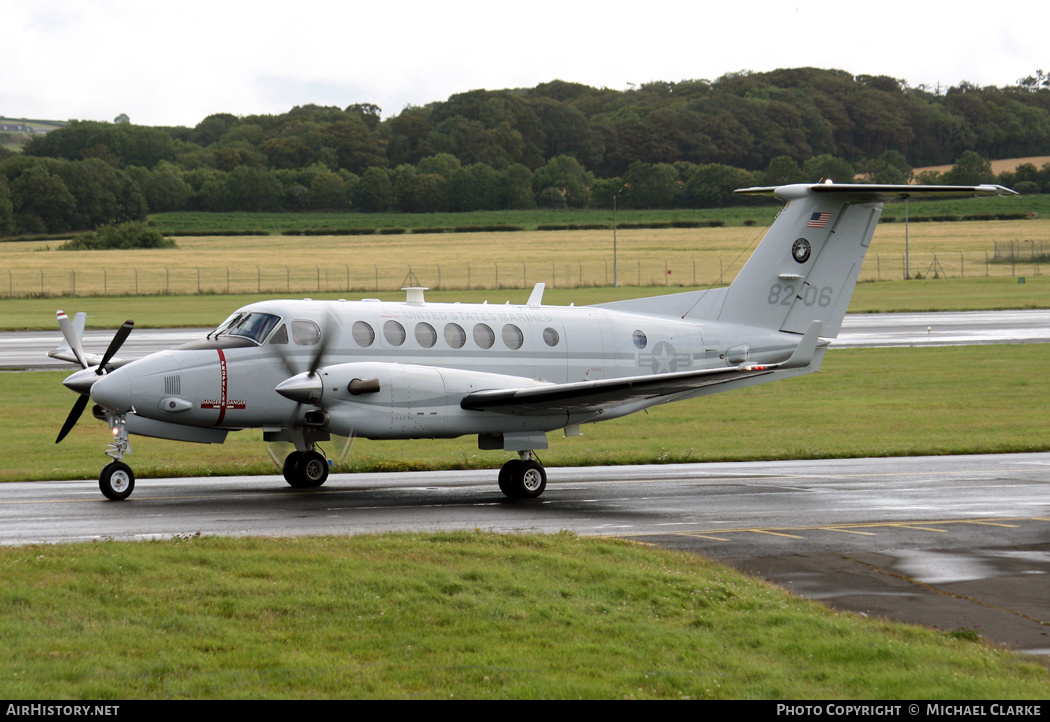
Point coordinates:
[(661, 145)]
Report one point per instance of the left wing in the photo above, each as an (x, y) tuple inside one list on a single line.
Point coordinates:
[(596, 396)]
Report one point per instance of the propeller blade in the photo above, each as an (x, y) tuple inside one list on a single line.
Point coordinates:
[(72, 340), (74, 416), (322, 347), (118, 340)]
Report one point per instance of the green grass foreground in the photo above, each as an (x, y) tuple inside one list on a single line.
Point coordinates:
[(457, 615), (863, 402)]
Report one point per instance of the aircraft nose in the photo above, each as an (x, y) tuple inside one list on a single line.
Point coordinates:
[(113, 392)]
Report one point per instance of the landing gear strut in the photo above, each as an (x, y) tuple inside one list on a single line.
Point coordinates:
[(117, 480), (523, 478), (305, 469)]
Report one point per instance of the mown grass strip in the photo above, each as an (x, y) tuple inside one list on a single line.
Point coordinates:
[(456, 615)]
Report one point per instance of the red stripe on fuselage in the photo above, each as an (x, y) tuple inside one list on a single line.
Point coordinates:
[(222, 393)]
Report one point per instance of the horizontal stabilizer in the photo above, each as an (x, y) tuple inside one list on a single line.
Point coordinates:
[(884, 192)]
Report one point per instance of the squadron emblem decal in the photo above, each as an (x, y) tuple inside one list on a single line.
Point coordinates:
[(800, 250)]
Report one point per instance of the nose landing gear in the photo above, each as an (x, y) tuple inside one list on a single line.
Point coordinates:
[(117, 480)]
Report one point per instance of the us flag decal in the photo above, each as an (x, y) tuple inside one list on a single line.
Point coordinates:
[(818, 220)]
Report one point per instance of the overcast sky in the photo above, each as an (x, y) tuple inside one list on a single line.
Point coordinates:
[(175, 63)]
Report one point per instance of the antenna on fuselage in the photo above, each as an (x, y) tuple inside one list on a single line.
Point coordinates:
[(413, 288)]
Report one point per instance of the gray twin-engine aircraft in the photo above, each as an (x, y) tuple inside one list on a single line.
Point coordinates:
[(302, 370)]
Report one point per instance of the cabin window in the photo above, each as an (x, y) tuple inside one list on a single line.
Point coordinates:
[(483, 336), (363, 334), (640, 340), (426, 336), (551, 337), (305, 333), (512, 336), (455, 336), (394, 333)]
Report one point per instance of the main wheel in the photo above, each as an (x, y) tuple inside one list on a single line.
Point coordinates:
[(311, 470), (533, 479), (522, 479), (507, 474), (116, 481), (289, 467)]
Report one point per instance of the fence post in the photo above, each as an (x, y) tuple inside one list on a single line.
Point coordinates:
[(74, 272), (227, 280)]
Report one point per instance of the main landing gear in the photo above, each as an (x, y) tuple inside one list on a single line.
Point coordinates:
[(305, 469), (523, 478)]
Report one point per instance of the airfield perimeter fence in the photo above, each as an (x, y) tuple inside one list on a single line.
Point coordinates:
[(672, 271)]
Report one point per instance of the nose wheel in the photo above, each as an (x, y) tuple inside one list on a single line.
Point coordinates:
[(116, 481)]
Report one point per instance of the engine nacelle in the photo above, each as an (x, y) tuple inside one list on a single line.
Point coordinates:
[(401, 401)]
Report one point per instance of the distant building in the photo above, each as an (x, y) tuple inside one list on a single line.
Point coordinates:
[(15, 128)]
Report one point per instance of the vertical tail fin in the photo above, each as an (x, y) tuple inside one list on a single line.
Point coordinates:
[(806, 267)]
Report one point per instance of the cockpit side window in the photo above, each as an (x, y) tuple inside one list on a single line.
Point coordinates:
[(280, 336), (254, 326)]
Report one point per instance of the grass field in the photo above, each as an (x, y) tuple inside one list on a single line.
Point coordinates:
[(760, 211), (669, 258), (452, 616), (486, 616)]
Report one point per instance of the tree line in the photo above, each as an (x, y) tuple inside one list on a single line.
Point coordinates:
[(559, 144)]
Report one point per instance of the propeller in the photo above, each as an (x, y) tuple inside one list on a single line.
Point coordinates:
[(307, 390), (82, 380)]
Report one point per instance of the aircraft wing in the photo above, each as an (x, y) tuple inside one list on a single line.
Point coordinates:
[(605, 394), (595, 396)]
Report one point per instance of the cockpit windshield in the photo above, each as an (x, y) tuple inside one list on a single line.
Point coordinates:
[(254, 326)]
